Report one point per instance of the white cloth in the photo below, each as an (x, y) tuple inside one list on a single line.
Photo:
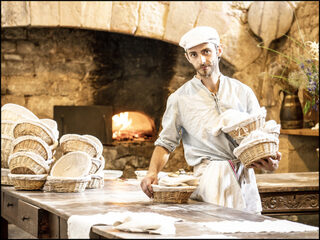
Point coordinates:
[(181, 180), (264, 226), (79, 225), (220, 185)]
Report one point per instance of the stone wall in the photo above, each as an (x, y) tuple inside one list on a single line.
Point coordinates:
[(63, 65)]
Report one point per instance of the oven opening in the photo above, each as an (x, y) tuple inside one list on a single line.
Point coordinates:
[(132, 126)]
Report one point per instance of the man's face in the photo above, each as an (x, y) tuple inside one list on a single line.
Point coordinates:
[(204, 58)]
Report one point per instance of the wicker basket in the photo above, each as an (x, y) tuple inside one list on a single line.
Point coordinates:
[(96, 163), (162, 194), (5, 180), (14, 112), (27, 163), (6, 149), (73, 164), (51, 124), (75, 142), (28, 181), (66, 184), (98, 144), (242, 131), (258, 151), (96, 181), (7, 128), (34, 128), (32, 144)]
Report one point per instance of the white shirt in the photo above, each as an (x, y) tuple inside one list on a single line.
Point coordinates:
[(190, 114)]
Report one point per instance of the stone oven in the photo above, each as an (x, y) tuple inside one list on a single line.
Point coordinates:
[(121, 55)]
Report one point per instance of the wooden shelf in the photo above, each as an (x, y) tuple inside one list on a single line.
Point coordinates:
[(300, 131)]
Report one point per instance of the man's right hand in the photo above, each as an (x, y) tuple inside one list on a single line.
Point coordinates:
[(146, 184)]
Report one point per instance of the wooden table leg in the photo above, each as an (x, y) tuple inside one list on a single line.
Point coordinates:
[(4, 228)]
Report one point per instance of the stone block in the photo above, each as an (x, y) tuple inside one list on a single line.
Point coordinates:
[(181, 18), (22, 85), (25, 47), (218, 20), (20, 100), (240, 48), (14, 68), (14, 33), (15, 13), (125, 16), (70, 13), (8, 47), (152, 19), (44, 13), (96, 14), (12, 57), (42, 106)]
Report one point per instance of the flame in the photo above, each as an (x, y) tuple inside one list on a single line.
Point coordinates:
[(120, 122), (131, 126)]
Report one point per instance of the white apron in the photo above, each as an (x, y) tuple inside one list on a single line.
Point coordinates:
[(222, 185)]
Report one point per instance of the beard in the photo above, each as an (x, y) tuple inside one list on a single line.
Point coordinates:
[(205, 72)]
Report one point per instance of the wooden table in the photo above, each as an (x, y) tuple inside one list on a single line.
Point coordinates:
[(45, 214)]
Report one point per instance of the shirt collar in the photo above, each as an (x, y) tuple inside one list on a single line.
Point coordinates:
[(199, 83)]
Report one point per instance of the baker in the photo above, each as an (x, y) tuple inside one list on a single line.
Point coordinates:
[(189, 113)]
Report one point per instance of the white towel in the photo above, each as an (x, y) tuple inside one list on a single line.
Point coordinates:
[(264, 226), (180, 180), (79, 225)]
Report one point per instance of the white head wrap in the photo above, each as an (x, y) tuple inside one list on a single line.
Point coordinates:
[(199, 35)]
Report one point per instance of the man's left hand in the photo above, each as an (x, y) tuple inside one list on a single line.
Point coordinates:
[(268, 164)]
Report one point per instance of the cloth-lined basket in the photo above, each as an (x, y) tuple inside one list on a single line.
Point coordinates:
[(73, 164), (75, 142), (242, 129), (32, 144), (6, 149), (27, 181), (260, 150), (66, 184), (34, 128), (28, 163), (163, 194), (15, 112), (7, 128)]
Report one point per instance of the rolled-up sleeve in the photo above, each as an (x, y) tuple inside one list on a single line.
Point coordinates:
[(170, 134)]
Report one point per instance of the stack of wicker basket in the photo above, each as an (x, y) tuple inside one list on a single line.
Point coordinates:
[(33, 141), (82, 154)]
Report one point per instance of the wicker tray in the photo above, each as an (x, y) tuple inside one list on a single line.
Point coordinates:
[(75, 142), (162, 194), (32, 144), (258, 151), (5, 180), (6, 149), (28, 163), (7, 128), (14, 112), (34, 128), (28, 181), (66, 184)]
